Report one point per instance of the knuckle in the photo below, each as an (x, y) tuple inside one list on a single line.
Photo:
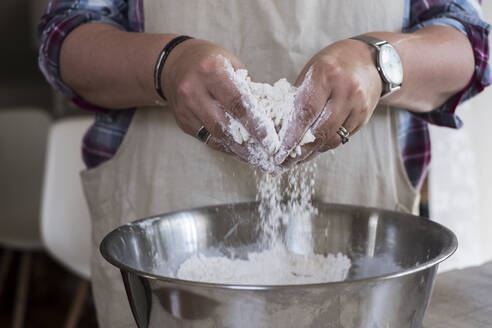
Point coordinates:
[(330, 68), (326, 62), (215, 126), (185, 88), (354, 87), (327, 129), (309, 108), (321, 135), (364, 110), (208, 65)]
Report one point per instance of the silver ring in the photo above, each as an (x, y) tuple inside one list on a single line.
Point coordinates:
[(203, 135), (344, 134)]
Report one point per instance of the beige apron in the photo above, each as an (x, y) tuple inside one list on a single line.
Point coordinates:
[(159, 169)]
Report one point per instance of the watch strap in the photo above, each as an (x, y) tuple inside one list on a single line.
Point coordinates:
[(375, 42)]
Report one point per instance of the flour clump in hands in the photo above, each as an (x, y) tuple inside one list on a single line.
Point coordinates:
[(273, 106)]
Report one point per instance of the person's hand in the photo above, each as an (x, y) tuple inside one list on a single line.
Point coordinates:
[(198, 86), (343, 90)]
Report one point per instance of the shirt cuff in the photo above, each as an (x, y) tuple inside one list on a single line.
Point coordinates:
[(477, 32)]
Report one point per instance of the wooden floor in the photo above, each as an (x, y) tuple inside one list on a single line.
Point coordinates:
[(462, 299), (51, 292)]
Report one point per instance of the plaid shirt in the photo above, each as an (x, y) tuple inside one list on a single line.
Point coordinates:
[(104, 137)]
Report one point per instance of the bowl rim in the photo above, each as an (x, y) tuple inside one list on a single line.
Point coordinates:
[(445, 253)]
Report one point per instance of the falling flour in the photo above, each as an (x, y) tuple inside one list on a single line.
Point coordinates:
[(285, 200)]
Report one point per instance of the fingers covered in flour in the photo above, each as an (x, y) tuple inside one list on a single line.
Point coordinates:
[(232, 90), (310, 100), (324, 132), (221, 126), (213, 117), (194, 118), (221, 100)]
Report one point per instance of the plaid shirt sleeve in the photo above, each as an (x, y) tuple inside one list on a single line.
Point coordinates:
[(60, 18), (464, 15)]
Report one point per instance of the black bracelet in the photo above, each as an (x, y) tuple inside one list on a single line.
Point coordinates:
[(162, 59)]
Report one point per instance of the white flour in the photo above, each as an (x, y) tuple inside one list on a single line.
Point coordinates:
[(273, 106), (271, 267), (285, 201)]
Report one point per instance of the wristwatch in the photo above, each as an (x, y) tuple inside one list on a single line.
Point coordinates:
[(388, 63)]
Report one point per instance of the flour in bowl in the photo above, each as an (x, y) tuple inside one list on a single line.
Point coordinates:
[(275, 266)]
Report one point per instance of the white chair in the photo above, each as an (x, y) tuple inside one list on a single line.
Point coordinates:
[(23, 133), (65, 221)]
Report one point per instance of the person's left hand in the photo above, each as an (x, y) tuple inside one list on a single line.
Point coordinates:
[(344, 89)]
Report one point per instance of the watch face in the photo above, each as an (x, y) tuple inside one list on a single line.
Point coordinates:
[(390, 64)]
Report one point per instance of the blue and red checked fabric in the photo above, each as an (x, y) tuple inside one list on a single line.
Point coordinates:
[(105, 135)]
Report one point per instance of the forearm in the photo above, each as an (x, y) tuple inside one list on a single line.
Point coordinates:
[(111, 68), (437, 62), (114, 69)]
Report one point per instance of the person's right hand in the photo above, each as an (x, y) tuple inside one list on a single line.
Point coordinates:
[(198, 87)]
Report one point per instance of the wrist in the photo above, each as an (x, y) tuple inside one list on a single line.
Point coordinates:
[(387, 61), (161, 62), (366, 59)]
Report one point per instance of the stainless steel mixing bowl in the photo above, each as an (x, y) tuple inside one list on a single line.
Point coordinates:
[(394, 261)]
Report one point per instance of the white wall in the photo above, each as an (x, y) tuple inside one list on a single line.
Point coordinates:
[(461, 178)]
